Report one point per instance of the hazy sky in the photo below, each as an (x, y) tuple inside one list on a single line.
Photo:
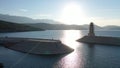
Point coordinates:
[(101, 12)]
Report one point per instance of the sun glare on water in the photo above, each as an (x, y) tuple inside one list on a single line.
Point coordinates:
[(72, 13), (69, 38)]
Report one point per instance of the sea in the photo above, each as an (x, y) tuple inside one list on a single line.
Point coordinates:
[(83, 56)]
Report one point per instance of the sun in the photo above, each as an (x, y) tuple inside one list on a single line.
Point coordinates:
[(72, 13)]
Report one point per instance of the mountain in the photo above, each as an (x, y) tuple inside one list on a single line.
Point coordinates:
[(111, 27), (95, 26), (50, 24), (61, 26), (53, 26), (20, 19), (15, 27), (69, 27)]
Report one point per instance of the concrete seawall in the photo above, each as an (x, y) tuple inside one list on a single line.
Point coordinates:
[(36, 46), (100, 40), (93, 39)]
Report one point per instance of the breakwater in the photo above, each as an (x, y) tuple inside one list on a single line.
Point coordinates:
[(100, 40), (36, 46)]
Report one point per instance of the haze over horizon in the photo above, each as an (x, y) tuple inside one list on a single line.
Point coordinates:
[(101, 12)]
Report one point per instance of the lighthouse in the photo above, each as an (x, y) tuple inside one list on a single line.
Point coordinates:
[(91, 30)]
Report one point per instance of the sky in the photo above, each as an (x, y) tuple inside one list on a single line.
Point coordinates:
[(101, 12)]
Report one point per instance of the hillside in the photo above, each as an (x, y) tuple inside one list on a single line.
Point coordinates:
[(61, 26), (21, 19), (51, 24), (112, 27), (69, 27), (14, 27)]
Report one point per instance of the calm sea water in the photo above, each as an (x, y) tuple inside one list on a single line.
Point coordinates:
[(84, 55)]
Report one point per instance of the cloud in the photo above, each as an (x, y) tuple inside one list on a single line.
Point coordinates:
[(23, 10)]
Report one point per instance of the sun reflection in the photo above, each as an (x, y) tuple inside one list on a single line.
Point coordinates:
[(69, 38), (71, 61), (74, 59)]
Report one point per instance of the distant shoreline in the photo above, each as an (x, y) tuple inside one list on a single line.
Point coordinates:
[(19, 31)]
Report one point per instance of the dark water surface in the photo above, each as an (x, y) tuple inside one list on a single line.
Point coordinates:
[(84, 55)]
